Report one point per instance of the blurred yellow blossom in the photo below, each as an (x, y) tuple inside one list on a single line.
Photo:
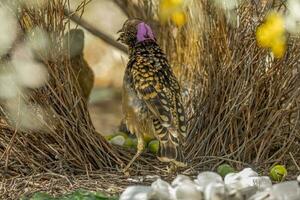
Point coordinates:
[(271, 34), (179, 18), (173, 9)]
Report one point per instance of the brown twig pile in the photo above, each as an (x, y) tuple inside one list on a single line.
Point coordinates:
[(68, 140)]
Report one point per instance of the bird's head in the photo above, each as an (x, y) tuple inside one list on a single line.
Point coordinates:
[(134, 31)]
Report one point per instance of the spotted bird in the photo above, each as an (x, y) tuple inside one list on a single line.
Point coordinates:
[(151, 99)]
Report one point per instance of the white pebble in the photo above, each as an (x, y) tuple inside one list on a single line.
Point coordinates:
[(189, 191), (242, 179), (161, 190), (135, 193), (181, 179), (289, 190), (206, 178), (214, 191)]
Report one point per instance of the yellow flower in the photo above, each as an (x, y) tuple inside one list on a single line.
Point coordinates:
[(172, 9), (271, 34), (278, 48), (179, 18)]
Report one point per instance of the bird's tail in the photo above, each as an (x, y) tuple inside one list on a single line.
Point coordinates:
[(169, 152)]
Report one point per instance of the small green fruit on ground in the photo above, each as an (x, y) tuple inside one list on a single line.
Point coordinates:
[(153, 146), (278, 173), (118, 140), (130, 142), (148, 138), (109, 137), (225, 169)]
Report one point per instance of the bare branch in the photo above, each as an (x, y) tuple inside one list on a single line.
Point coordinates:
[(106, 38)]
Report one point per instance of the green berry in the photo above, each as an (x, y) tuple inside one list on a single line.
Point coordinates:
[(153, 146), (278, 173), (109, 137), (148, 138), (129, 143), (225, 169)]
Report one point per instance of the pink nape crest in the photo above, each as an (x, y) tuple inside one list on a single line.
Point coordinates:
[(144, 32)]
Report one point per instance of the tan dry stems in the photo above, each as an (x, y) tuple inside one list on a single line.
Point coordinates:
[(249, 110), (69, 141)]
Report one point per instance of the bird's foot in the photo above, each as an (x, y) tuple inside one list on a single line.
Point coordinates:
[(171, 168), (126, 172), (127, 168)]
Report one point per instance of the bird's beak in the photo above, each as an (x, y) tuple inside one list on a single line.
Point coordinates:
[(119, 38)]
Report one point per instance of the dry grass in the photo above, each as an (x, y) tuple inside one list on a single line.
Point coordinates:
[(248, 109), (242, 109)]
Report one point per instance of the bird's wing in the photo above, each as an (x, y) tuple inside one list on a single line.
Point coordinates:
[(157, 86)]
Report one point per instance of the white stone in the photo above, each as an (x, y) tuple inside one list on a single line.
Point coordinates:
[(242, 179), (215, 191), (189, 191), (161, 190), (289, 190), (135, 193), (181, 179), (206, 178)]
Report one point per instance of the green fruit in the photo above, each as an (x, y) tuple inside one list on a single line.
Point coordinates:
[(148, 138), (225, 169), (121, 133), (153, 146), (129, 142), (109, 137), (278, 173), (118, 140)]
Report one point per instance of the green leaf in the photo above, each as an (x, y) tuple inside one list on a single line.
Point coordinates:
[(86, 195), (76, 195), (40, 196)]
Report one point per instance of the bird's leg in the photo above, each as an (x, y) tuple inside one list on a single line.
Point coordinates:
[(140, 149)]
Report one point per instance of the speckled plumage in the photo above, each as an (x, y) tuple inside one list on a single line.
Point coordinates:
[(152, 102)]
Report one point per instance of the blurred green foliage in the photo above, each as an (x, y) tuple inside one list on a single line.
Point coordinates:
[(76, 195)]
